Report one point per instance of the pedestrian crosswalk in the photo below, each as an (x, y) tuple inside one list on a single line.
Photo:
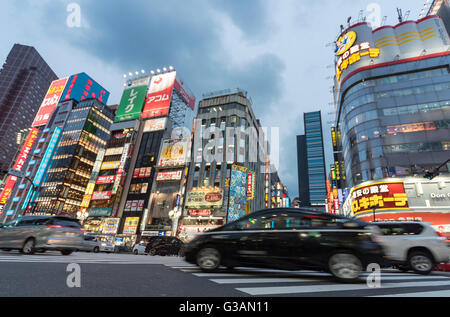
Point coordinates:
[(264, 282), (86, 258)]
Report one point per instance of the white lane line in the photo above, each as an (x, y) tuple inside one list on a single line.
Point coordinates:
[(290, 280), (443, 293), (274, 290), (261, 280)]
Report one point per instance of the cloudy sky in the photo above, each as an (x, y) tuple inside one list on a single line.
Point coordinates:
[(277, 50)]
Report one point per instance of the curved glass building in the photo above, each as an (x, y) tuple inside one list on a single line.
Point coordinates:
[(392, 92)]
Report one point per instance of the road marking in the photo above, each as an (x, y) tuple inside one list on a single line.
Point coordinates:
[(442, 293), (275, 290)]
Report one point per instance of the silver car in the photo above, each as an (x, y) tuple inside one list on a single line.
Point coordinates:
[(40, 233), (90, 244)]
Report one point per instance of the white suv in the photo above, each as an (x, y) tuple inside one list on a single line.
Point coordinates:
[(413, 245)]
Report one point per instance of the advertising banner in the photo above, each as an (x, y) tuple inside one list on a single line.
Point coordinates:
[(110, 165), (50, 102), (157, 124), (7, 190), (187, 96), (132, 100), (157, 103), (204, 197), (250, 185), (26, 148), (99, 212), (47, 156), (169, 176), (238, 192), (114, 151), (92, 180), (130, 225), (379, 195), (81, 87), (110, 225), (174, 152), (101, 195), (123, 160), (106, 179)]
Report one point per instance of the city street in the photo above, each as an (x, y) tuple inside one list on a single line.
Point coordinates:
[(126, 275)]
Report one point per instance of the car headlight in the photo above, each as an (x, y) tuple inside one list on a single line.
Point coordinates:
[(103, 244)]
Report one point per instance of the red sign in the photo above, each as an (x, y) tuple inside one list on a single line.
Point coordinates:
[(101, 195), (157, 103), (188, 98), (106, 179), (213, 197), (7, 190), (26, 148), (50, 102), (379, 196), (250, 186), (202, 212), (169, 176)]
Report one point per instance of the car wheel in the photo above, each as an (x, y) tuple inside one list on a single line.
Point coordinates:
[(346, 267), (208, 259), (66, 252), (96, 250), (136, 252), (28, 247), (420, 262)]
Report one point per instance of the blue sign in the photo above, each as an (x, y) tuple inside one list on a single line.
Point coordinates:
[(81, 87), (161, 233), (47, 156)]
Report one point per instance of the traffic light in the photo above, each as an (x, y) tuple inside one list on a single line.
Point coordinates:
[(431, 174)]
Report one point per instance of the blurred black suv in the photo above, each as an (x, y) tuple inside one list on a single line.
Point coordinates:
[(289, 239)]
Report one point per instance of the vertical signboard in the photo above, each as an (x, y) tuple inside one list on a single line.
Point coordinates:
[(132, 100), (157, 103), (238, 192), (93, 179), (50, 102), (187, 96), (47, 156), (123, 160), (26, 148), (7, 190)]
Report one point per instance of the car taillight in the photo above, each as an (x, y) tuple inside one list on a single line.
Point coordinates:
[(442, 235), (54, 226)]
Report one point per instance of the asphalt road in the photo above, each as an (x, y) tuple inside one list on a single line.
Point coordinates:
[(126, 275)]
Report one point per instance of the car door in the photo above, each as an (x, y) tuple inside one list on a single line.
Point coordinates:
[(9, 235), (268, 241)]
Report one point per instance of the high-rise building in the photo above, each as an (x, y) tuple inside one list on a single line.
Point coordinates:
[(311, 162), (24, 81), (85, 134), (392, 92), (226, 177)]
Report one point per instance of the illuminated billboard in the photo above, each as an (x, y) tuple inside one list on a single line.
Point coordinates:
[(157, 103), (81, 87), (361, 48), (379, 196), (209, 197), (132, 100), (185, 94), (174, 152), (51, 99)]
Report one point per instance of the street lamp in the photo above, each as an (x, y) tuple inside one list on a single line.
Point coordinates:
[(82, 215)]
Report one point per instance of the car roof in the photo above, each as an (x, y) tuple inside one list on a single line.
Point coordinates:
[(294, 210)]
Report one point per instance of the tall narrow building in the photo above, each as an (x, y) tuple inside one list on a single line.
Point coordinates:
[(24, 80), (311, 162)]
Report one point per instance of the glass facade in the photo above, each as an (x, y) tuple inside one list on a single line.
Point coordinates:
[(315, 161), (84, 134), (395, 121)]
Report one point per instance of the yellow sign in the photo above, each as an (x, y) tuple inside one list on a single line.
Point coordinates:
[(344, 43), (354, 55)]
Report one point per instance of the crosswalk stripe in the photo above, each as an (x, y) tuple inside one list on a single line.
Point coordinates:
[(276, 290), (442, 293)]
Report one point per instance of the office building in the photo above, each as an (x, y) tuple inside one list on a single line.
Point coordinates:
[(24, 81), (311, 162)]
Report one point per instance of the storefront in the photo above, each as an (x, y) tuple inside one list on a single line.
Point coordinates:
[(406, 199)]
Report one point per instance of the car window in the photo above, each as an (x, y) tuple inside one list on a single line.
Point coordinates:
[(26, 222), (73, 223), (11, 223), (400, 229)]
